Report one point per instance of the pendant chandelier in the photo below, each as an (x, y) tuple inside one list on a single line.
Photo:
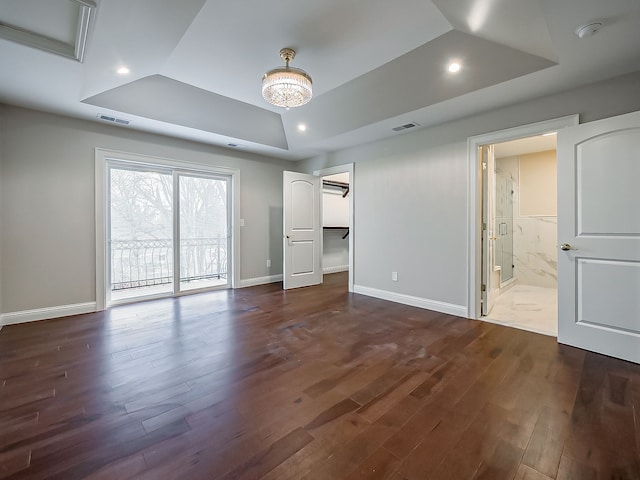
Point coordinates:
[(287, 86)]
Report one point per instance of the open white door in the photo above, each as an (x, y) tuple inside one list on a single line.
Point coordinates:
[(488, 288), (302, 230), (599, 233)]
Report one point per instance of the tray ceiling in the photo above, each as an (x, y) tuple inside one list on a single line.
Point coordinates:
[(195, 65)]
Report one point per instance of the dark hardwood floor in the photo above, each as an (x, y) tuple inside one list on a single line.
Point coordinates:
[(314, 383)]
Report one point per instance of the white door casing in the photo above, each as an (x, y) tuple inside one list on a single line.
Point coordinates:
[(302, 230), (474, 183), (347, 168), (599, 236)]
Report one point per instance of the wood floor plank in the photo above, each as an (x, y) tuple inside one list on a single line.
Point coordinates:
[(14, 463), (266, 460), (502, 464), (571, 469), (528, 473), (379, 466), (544, 451), (123, 469), (354, 452), (310, 383), (431, 451), (332, 413), (327, 441), (381, 404)]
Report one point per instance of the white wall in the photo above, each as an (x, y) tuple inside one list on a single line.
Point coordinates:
[(335, 251), (47, 241), (1, 205), (412, 195)]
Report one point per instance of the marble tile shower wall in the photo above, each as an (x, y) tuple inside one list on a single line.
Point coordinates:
[(535, 253), (535, 239)]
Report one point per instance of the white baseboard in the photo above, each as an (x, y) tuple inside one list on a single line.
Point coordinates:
[(252, 282), (25, 316), (451, 309), (336, 269)]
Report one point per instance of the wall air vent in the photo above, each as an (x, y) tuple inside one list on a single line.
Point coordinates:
[(405, 126), (109, 118)]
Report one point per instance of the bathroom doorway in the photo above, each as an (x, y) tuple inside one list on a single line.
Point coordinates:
[(520, 240)]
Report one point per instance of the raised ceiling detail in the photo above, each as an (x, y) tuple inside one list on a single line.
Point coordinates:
[(411, 81), (416, 80), (171, 101), (54, 26)]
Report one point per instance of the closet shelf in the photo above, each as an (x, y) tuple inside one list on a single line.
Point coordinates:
[(344, 186), (339, 228)]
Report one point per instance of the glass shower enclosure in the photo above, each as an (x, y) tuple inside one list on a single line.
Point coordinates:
[(504, 226)]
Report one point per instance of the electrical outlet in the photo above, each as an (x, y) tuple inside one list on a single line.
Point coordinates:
[(268, 263), (394, 276)]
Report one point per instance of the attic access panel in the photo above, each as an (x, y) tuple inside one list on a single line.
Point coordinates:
[(54, 26)]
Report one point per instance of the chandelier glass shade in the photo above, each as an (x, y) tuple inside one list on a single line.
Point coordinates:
[(287, 86)]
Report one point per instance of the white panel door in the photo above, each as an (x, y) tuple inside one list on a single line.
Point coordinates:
[(599, 236), (302, 230)]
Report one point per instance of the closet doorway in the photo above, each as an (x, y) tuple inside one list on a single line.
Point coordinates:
[(337, 220)]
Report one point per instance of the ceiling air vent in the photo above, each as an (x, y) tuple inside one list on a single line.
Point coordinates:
[(109, 118), (405, 126)]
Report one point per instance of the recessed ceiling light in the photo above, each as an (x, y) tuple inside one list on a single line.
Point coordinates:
[(123, 71), (454, 67), (302, 127)]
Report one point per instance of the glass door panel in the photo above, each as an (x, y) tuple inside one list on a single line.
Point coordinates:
[(141, 233), (504, 226), (507, 232), (203, 231)]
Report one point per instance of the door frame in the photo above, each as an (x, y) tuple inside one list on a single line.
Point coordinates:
[(346, 168), (102, 156), (474, 187)]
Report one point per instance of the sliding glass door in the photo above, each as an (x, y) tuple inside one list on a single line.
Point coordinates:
[(204, 233), (168, 231)]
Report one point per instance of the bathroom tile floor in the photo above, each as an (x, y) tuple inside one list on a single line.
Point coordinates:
[(527, 307)]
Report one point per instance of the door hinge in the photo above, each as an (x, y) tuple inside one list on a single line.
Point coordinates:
[(484, 226), (483, 288)]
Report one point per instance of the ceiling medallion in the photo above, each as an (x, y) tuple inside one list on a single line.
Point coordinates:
[(287, 86)]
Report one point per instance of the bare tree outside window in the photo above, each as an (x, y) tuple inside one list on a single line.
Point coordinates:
[(203, 230)]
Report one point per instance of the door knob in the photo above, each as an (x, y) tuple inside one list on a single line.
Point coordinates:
[(567, 246)]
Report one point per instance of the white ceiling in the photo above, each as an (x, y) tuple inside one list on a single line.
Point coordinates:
[(196, 65), (522, 146)]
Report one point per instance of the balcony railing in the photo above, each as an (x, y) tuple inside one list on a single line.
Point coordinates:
[(146, 263)]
